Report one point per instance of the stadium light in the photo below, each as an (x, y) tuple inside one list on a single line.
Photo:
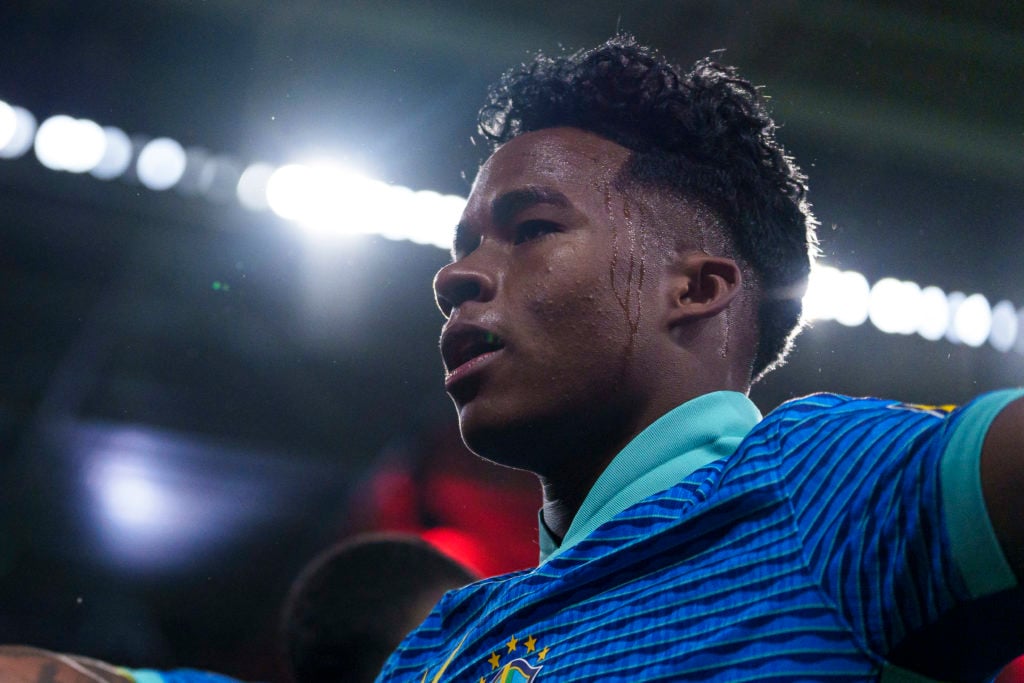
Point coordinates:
[(1004, 326), (161, 164), (328, 200), (252, 186), (64, 143), (894, 306), (973, 320), (17, 130), (934, 318), (117, 155)]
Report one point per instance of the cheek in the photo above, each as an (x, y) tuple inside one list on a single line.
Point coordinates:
[(579, 314)]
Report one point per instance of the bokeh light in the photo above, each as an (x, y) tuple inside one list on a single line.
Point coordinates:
[(840, 295), (934, 319), (133, 501), (252, 186), (325, 200), (117, 156), (851, 298), (8, 124), (17, 131), (894, 306), (219, 178), (953, 302), (973, 320), (1004, 326), (64, 143), (161, 164)]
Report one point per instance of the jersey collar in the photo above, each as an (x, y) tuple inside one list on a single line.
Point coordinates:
[(675, 445)]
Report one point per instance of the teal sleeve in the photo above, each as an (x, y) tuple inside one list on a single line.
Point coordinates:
[(975, 547), (178, 676), (146, 676)]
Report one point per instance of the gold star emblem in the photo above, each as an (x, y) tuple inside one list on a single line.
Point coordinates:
[(531, 644), (495, 660), (512, 644), (543, 654)]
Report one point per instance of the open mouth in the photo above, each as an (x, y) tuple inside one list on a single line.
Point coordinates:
[(463, 344)]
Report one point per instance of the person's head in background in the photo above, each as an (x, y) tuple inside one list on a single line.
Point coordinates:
[(354, 603)]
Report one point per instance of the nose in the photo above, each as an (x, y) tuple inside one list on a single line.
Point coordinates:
[(462, 281)]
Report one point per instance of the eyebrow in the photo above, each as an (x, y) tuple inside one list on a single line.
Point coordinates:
[(505, 208)]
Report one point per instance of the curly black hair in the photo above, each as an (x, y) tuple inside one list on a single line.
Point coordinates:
[(705, 134)]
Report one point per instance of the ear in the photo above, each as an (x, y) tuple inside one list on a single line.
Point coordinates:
[(702, 286)]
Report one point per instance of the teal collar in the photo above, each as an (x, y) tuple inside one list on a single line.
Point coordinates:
[(675, 445)]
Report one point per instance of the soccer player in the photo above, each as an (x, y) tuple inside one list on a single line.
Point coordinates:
[(630, 261)]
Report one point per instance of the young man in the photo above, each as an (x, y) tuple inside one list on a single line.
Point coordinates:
[(630, 260)]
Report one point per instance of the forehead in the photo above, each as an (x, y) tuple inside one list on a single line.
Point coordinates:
[(570, 160)]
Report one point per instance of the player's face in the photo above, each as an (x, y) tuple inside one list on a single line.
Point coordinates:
[(550, 300)]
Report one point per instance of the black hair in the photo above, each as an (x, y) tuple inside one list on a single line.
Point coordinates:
[(705, 134), (354, 603)]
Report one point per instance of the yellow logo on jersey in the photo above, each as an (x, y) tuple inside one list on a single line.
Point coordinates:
[(937, 411), (517, 669)]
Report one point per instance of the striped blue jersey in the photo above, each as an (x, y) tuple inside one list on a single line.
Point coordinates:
[(807, 554)]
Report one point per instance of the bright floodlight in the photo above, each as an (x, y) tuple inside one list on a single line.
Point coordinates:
[(17, 130), (324, 200), (934, 319), (399, 206), (130, 498), (973, 320), (252, 186), (894, 306), (437, 216), (289, 191), (161, 164), (851, 298), (117, 156), (836, 295), (1004, 326), (821, 288), (67, 144)]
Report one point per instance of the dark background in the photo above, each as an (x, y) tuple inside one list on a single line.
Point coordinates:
[(262, 406)]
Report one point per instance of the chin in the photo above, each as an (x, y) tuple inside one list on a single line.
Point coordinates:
[(530, 443)]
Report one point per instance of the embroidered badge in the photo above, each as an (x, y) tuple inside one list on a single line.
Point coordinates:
[(513, 665)]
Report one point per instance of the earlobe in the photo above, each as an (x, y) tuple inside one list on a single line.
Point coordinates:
[(703, 286)]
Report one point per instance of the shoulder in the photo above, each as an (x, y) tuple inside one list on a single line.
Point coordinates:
[(824, 413)]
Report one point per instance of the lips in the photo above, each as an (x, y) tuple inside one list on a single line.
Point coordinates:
[(465, 346)]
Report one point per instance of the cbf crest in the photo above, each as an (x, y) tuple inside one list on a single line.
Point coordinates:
[(519, 662)]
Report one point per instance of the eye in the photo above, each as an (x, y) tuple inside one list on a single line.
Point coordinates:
[(531, 230)]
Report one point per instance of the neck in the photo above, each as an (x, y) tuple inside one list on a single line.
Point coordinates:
[(565, 489), (561, 505)]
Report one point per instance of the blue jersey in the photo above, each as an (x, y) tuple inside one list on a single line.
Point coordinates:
[(837, 527)]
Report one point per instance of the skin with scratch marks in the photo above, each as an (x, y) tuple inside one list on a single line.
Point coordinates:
[(19, 664)]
